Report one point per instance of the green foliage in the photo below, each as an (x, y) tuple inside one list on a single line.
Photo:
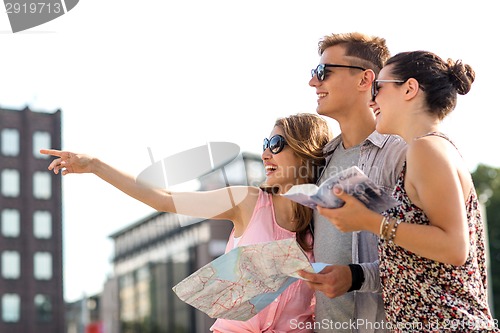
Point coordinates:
[(487, 183), (143, 326), (146, 326)]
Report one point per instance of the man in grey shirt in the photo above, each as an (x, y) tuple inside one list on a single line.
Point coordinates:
[(348, 297)]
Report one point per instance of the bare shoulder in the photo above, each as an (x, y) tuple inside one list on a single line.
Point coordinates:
[(430, 150), (437, 159), (428, 170), (245, 197), (246, 192), (426, 156)]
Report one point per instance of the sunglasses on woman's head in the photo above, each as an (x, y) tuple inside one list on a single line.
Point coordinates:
[(275, 144), (320, 71)]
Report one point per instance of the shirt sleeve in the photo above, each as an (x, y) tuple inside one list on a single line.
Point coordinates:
[(372, 277)]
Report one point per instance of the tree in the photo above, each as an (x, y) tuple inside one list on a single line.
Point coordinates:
[(487, 183)]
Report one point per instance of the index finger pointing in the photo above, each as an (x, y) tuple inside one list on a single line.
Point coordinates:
[(52, 152)]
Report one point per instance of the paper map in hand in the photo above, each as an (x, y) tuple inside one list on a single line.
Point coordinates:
[(240, 283), (353, 181)]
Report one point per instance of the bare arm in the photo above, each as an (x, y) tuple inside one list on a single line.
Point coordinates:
[(433, 183), (222, 203)]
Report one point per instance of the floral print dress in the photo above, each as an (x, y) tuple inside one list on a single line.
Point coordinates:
[(423, 295)]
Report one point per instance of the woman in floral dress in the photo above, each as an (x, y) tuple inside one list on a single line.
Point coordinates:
[(432, 246)]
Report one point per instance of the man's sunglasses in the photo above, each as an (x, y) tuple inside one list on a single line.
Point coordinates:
[(321, 70), (275, 144), (375, 86)]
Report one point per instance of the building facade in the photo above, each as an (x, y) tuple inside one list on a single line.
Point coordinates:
[(83, 316), (31, 284), (157, 252)]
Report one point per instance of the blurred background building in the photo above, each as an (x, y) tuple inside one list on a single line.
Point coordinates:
[(31, 290)]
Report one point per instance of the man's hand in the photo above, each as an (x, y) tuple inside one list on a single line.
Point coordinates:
[(333, 280)]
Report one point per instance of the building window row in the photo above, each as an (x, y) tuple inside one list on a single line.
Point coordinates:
[(10, 142), (11, 265), (11, 308), (10, 184), (10, 220)]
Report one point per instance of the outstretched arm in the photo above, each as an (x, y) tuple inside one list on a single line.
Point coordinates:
[(218, 204)]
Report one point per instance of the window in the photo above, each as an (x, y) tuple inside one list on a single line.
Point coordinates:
[(10, 142), (11, 265), (42, 224), (11, 222), (11, 308), (43, 266), (40, 140), (42, 185), (143, 292), (10, 183), (43, 307)]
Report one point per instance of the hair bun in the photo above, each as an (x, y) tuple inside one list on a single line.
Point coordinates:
[(461, 76)]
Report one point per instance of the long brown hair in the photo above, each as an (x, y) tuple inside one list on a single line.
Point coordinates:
[(306, 134)]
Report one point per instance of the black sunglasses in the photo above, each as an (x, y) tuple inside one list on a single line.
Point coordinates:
[(275, 144), (321, 70), (375, 87)]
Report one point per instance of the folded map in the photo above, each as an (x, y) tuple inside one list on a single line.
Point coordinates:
[(353, 181), (240, 283)]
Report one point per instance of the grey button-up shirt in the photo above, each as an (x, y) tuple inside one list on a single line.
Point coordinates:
[(381, 159)]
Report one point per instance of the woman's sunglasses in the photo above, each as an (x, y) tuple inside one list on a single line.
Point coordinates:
[(275, 144), (320, 71), (375, 86)]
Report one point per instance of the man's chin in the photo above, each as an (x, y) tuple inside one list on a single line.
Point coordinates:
[(322, 112)]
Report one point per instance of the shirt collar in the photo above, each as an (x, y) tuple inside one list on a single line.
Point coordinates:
[(375, 138)]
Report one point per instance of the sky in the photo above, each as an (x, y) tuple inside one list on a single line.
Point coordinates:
[(173, 75)]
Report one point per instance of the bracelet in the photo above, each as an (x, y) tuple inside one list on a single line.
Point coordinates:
[(381, 225), (387, 230), (358, 277), (392, 235), (384, 226)]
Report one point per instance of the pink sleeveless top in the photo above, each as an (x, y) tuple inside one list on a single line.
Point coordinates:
[(293, 310)]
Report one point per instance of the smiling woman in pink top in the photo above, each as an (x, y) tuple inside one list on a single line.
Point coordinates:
[(292, 155)]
